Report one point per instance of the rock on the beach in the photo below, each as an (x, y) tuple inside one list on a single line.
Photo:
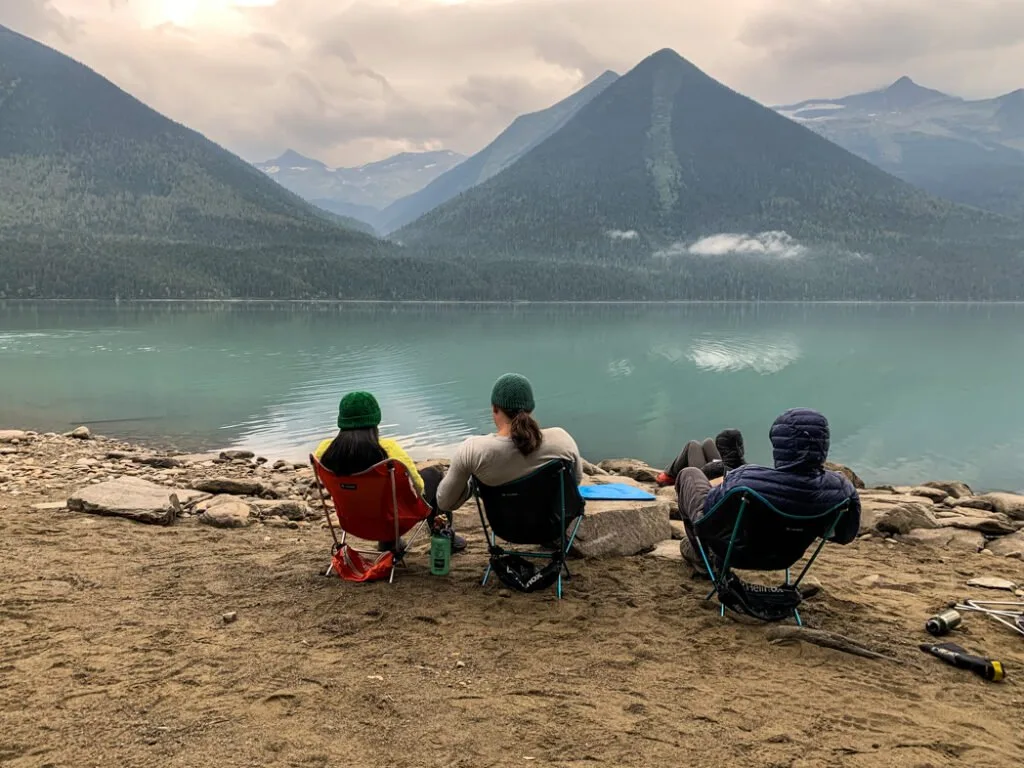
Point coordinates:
[(630, 468), (132, 498), (13, 436), (622, 528), (592, 469), (160, 462), (937, 495), (846, 472), (904, 518), (228, 514), (233, 455), (1009, 546), (946, 538), (992, 524), (667, 550), (80, 433), (678, 529), (952, 488), (1009, 504), (992, 582), (974, 502), (286, 508), (234, 486)]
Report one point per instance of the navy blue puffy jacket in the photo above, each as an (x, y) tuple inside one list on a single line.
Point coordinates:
[(799, 484)]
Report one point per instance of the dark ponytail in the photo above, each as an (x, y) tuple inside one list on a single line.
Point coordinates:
[(525, 433)]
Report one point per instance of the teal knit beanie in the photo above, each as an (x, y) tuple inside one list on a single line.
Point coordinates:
[(358, 410), (513, 393)]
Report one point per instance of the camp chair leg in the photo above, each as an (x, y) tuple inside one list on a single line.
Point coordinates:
[(487, 575), (796, 615), (559, 589)]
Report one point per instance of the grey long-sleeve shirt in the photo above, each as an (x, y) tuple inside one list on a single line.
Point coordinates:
[(494, 460)]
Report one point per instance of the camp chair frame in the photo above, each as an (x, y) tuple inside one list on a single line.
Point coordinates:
[(748, 495), (335, 525), (566, 473)]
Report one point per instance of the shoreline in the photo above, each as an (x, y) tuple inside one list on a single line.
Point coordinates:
[(282, 492), (523, 302)]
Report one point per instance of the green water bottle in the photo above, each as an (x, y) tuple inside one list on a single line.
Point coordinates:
[(440, 554)]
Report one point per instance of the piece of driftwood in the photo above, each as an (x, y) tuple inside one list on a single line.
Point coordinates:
[(825, 640)]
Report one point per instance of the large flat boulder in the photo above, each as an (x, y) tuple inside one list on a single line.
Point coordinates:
[(132, 498), (622, 528), (953, 539), (1009, 504)]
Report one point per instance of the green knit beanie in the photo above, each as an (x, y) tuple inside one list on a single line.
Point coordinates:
[(513, 393), (358, 410)]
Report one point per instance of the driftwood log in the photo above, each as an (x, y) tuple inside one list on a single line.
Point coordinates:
[(825, 640)]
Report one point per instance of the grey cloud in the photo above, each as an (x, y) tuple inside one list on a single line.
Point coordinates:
[(36, 18), (352, 82), (269, 41), (888, 37)]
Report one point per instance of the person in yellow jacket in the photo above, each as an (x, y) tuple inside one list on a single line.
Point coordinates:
[(358, 446)]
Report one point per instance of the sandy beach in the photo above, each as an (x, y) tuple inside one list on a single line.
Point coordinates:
[(115, 651)]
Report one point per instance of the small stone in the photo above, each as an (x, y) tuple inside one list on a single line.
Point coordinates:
[(230, 514), (666, 550), (987, 552), (281, 464), (234, 455), (1009, 546), (293, 524), (954, 488), (504, 593), (460, 664), (233, 486), (992, 582), (229, 617), (160, 462), (81, 433)]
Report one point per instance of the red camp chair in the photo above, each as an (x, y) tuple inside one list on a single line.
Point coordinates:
[(380, 504)]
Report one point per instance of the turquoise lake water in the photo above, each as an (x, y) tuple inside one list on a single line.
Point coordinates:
[(913, 392)]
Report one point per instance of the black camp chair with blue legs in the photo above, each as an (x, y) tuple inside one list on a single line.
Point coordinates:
[(534, 510), (745, 531)]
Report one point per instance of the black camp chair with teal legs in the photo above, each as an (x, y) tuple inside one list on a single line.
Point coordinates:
[(745, 531), (534, 510)]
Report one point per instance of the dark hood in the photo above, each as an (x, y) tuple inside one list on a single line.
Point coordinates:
[(800, 440), (730, 447)]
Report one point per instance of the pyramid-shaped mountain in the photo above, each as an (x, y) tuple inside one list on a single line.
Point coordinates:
[(666, 156), (93, 183)]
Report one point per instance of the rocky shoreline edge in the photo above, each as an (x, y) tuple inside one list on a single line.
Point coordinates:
[(83, 473)]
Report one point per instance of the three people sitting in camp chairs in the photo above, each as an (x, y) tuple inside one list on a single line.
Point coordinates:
[(525, 483)]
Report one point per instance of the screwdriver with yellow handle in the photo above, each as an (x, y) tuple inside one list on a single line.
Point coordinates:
[(951, 653)]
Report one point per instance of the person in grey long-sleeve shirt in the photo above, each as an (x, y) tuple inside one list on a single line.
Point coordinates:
[(518, 448)]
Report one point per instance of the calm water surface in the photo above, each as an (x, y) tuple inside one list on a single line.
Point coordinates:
[(914, 392)]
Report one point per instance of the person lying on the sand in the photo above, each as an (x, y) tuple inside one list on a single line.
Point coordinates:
[(713, 457), (799, 484), (518, 447), (358, 446)]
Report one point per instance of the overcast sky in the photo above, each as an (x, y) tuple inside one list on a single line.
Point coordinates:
[(349, 81)]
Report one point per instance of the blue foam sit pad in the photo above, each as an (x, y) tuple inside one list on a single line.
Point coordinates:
[(615, 492)]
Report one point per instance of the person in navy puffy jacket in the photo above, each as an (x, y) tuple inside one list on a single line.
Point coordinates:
[(799, 484)]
